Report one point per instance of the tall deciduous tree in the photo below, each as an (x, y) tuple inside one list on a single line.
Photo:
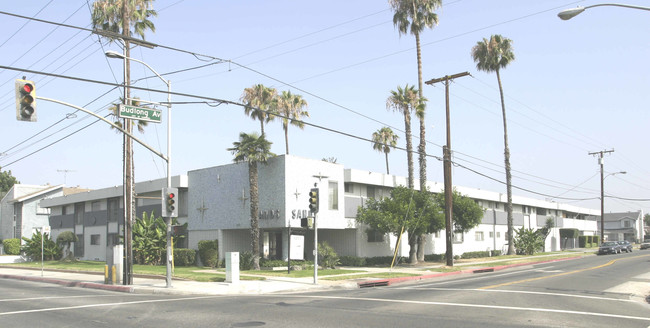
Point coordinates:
[(260, 103), (405, 100), (6, 181), (292, 107), (466, 213), (383, 140), (491, 56), (253, 149), (406, 210)]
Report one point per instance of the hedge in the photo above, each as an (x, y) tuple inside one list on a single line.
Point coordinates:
[(184, 257), (209, 253), (569, 233), (11, 246)]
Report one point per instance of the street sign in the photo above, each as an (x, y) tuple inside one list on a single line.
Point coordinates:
[(140, 113)]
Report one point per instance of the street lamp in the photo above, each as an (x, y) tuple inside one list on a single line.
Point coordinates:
[(570, 13), (602, 203), (114, 54)]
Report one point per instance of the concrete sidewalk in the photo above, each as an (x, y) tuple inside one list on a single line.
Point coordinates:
[(158, 285)]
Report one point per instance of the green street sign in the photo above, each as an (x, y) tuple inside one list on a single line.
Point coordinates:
[(140, 113)]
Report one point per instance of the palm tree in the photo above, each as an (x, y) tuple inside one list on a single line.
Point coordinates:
[(125, 17), (491, 56), (291, 107), (259, 103), (413, 16), (405, 100), (252, 149), (383, 139)]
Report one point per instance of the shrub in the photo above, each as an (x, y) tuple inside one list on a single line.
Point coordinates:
[(596, 240), (184, 257), (11, 246), (327, 256), (528, 241), (582, 241), (434, 257), (209, 253), (272, 263), (245, 261), (352, 261), (32, 248), (476, 254), (379, 260)]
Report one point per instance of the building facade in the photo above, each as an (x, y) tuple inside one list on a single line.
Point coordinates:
[(624, 226), (215, 203), (20, 210), (97, 216)]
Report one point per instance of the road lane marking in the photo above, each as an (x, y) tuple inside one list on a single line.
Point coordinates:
[(523, 292), (104, 305), (560, 274), (478, 277), (498, 307), (55, 297)]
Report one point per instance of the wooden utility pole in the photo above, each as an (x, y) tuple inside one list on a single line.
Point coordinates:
[(446, 153), (602, 191)]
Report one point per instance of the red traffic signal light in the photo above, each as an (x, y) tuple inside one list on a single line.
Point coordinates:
[(169, 207), (25, 101)]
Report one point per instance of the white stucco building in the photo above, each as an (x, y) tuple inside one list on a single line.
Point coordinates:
[(215, 203)]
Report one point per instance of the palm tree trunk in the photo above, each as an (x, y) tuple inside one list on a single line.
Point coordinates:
[(409, 147), (387, 170), (506, 155), (422, 147), (262, 126), (286, 138), (255, 228)]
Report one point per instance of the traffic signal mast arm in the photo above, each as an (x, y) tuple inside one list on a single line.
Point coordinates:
[(107, 121)]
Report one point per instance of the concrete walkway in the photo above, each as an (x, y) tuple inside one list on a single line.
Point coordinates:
[(158, 285)]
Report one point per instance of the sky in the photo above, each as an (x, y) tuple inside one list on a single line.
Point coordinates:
[(575, 87)]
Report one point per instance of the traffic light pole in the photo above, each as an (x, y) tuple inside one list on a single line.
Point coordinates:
[(315, 250)]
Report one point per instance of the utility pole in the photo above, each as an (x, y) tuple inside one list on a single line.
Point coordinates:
[(602, 191), (446, 154)]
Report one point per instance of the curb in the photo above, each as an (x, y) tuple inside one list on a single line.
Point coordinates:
[(389, 281), (68, 283)]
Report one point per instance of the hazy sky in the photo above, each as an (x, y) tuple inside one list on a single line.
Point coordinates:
[(575, 87)]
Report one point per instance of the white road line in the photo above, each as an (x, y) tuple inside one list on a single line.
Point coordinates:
[(511, 308), (55, 297), (483, 276), (523, 292), (103, 305)]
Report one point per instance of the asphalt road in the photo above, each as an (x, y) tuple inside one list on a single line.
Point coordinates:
[(591, 292)]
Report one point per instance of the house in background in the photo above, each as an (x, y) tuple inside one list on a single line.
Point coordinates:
[(20, 210), (97, 216), (624, 226)]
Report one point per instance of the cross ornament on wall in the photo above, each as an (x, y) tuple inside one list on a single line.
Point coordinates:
[(243, 198), (296, 193), (202, 209)]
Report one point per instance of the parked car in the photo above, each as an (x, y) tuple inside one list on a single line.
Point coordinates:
[(645, 245), (609, 247), (625, 246)]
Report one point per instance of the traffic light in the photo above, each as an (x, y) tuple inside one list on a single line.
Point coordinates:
[(169, 206), (313, 200), (25, 101)]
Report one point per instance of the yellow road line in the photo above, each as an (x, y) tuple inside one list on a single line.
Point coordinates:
[(560, 274)]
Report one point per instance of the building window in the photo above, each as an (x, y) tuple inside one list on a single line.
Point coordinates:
[(333, 195), (113, 207), (94, 239), (458, 237), (491, 234), (498, 234), (79, 246), (349, 188), (626, 224), (478, 235), (374, 236), (79, 213), (95, 206), (371, 192)]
